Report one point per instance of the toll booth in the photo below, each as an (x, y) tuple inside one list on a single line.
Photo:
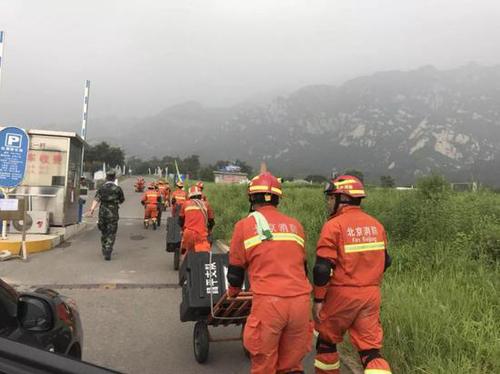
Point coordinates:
[(52, 179)]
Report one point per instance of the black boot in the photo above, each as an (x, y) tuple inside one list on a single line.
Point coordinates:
[(107, 256)]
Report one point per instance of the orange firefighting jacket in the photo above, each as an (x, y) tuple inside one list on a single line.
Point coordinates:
[(275, 267), (196, 215), (355, 243), (164, 192), (180, 196), (150, 197)]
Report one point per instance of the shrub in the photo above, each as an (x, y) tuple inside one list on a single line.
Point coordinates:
[(441, 306)]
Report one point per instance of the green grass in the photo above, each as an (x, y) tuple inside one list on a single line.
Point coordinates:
[(440, 310)]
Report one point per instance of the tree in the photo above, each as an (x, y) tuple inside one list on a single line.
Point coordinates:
[(433, 186), (101, 153), (355, 173), (191, 166), (387, 181), (207, 174)]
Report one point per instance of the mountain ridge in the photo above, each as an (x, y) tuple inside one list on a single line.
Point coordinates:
[(399, 123)]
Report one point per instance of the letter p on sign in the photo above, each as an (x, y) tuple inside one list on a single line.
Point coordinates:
[(13, 140)]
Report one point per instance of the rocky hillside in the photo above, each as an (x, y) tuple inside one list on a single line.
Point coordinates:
[(403, 124)]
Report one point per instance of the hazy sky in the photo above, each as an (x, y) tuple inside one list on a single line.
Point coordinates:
[(145, 55)]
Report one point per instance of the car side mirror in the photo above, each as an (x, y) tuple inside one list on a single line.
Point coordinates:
[(34, 314)]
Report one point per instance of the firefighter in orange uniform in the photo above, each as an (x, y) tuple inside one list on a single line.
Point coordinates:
[(351, 258), (165, 191), (269, 246), (150, 200), (179, 196), (139, 184), (162, 189), (200, 185), (160, 202), (196, 218)]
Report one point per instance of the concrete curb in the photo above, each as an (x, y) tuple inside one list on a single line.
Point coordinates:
[(32, 246), (42, 243)]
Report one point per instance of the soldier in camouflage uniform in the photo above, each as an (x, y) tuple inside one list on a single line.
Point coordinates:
[(109, 196)]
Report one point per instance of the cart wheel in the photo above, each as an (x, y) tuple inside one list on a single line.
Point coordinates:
[(200, 341), (177, 258)]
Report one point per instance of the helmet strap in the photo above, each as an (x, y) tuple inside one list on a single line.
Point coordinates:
[(336, 206), (250, 208)]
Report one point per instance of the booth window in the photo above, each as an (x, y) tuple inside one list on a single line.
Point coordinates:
[(45, 168)]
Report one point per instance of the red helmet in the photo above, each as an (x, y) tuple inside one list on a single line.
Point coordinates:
[(200, 185), (265, 183), (347, 185), (194, 191)]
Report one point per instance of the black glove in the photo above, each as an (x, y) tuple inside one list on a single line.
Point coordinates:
[(387, 261)]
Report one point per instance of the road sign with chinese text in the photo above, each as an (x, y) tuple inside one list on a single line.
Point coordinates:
[(14, 145)]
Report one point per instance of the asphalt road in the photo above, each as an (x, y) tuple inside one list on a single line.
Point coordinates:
[(130, 305)]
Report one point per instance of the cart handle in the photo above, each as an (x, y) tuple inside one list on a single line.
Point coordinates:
[(244, 297)]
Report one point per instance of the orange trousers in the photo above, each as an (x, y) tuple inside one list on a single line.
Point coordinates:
[(151, 211), (355, 310), (192, 241), (278, 333)]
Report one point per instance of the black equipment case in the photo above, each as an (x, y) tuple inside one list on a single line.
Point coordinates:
[(198, 278), (173, 231)]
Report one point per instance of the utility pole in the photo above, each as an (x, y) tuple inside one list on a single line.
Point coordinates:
[(4, 223), (2, 35), (86, 97)]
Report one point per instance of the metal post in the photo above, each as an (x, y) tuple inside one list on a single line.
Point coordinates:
[(2, 36), (4, 222), (24, 252), (86, 97), (4, 230)]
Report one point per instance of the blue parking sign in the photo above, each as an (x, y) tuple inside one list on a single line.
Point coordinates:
[(14, 145)]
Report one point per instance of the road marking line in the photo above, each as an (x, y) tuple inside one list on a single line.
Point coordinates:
[(102, 286)]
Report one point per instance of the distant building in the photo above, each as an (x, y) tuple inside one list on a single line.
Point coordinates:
[(464, 187), (231, 174)]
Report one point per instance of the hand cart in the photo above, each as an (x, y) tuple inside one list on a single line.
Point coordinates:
[(205, 300), (227, 311)]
